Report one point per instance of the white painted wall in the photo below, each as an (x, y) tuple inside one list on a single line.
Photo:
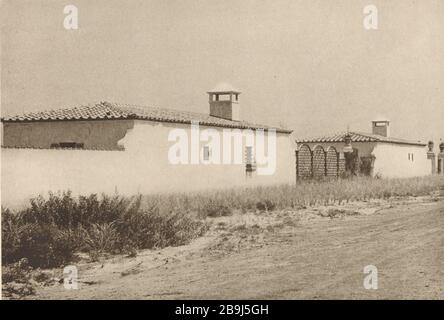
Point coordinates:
[(142, 168), (392, 160)]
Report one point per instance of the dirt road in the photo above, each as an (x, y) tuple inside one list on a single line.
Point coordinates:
[(310, 253)]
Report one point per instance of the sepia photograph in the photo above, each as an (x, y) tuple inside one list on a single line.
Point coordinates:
[(209, 150)]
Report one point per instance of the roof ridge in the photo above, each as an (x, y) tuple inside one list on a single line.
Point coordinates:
[(128, 106), (119, 105), (358, 136), (332, 134)]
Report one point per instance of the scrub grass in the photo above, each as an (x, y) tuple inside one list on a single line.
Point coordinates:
[(52, 230), (304, 194)]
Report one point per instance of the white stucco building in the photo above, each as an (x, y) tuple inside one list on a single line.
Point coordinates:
[(108, 147), (377, 153)]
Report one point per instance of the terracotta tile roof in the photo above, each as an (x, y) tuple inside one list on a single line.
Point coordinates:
[(115, 111), (360, 137), (74, 149)]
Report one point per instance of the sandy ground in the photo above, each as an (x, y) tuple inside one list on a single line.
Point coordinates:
[(308, 253)]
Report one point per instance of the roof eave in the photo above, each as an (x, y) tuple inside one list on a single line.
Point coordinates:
[(135, 117), (223, 92), (374, 141), (405, 143)]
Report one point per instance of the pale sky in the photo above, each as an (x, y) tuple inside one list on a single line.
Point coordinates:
[(307, 64)]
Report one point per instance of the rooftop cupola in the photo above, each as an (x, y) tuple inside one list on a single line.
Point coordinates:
[(381, 127), (224, 102)]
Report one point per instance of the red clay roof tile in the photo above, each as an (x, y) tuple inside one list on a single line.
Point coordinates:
[(359, 137), (114, 111)]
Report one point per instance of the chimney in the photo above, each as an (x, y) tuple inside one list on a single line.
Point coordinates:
[(381, 127), (224, 102)]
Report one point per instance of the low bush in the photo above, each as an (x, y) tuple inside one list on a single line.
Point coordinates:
[(43, 245), (52, 230), (214, 208), (16, 280), (265, 205), (101, 238)]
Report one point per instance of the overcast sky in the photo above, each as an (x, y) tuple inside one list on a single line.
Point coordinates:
[(308, 65)]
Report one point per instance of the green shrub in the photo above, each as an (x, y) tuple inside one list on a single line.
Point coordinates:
[(52, 230), (156, 228), (16, 280), (101, 238), (42, 245)]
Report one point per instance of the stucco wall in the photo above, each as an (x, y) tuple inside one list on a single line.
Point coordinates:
[(142, 168), (392, 160), (93, 134)]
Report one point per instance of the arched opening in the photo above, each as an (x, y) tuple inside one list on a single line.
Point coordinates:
[(304, 162), (332, 162), (318, 162)]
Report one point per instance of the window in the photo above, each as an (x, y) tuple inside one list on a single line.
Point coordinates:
[(249, 160), (67, 145), (249, 155), (224, 97), (206, 153)]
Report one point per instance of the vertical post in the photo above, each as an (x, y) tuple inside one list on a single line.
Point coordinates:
[(297, 164), (337, 164), (325, 163), (311, 164), (441, 158), (432, 158)]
